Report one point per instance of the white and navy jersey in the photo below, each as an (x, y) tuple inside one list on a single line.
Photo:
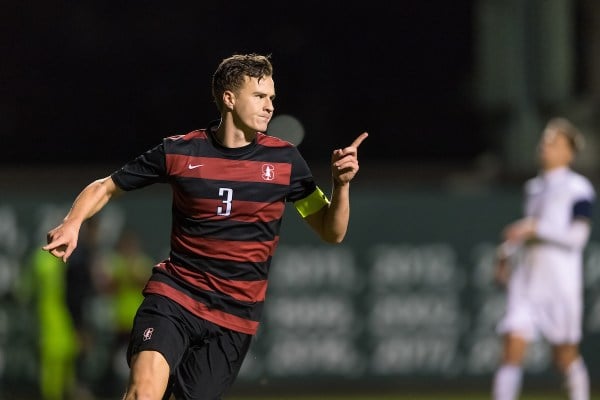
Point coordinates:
[(553, 262)]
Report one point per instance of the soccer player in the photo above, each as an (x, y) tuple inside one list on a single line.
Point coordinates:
[(545, 293), (230, 183)]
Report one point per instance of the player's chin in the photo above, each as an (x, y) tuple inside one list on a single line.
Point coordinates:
[(261, 125)]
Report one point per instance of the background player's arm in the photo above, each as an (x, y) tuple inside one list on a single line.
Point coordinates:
[(502, 272), (62, 240), (574, 236), (331, 221), (502, 263)]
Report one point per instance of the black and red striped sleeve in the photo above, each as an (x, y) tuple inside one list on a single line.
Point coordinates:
[(146, 169)]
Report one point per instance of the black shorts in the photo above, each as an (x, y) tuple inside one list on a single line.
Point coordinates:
[(204, 358)]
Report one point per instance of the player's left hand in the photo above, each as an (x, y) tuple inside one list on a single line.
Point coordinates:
[(344, 162), (501, 273)]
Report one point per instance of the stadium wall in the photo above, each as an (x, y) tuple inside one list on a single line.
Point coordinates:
[(407, 299)]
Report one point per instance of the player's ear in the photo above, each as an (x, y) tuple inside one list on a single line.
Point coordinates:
[(228, 99)]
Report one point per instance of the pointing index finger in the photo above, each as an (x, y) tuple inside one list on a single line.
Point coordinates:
[(359, 139)]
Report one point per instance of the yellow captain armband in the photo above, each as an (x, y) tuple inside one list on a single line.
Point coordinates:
[(311, 203)]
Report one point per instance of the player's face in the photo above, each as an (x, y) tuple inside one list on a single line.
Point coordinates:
[(253, 104), (554, 150)]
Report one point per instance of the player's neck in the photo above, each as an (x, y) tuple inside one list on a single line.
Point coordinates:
[(554, 169), (229, 135)]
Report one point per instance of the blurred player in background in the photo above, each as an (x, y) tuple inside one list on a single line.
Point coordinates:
[(545, 289), (57, 336), (81, 289), (230, 183), (127, 269)]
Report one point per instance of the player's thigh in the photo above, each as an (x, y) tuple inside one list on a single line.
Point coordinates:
[(515, 347), (160, 326), (564, 355), (149, 376), (209, 370)]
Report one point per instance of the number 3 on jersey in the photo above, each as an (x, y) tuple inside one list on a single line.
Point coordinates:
[(227, 195)]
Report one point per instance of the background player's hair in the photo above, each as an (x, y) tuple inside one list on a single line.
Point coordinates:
[(567, 128)]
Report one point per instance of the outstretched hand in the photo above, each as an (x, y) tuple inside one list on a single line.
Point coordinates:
[(62, 240), (344, 162)]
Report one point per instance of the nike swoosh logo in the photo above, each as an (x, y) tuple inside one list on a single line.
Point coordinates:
[(190, 166)]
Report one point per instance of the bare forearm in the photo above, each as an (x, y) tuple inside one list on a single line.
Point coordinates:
[(331, 222), (91, 200), (62, 240), (337, 215)]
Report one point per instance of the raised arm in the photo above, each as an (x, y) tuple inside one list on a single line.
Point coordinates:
[(62, 240), (331, 222)]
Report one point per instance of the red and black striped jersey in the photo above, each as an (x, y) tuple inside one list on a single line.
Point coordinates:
[(227, 209)]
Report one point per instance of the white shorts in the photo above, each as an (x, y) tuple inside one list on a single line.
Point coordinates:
[(557, 320)]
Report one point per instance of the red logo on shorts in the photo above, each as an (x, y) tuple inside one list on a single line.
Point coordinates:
[(148, 334)]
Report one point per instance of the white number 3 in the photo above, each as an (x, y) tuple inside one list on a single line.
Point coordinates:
[(227, 194)]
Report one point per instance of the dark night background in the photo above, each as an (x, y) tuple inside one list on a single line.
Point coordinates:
[(100, 82)]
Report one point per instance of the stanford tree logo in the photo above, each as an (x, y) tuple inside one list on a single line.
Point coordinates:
[(268, 172), (148, 334)]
